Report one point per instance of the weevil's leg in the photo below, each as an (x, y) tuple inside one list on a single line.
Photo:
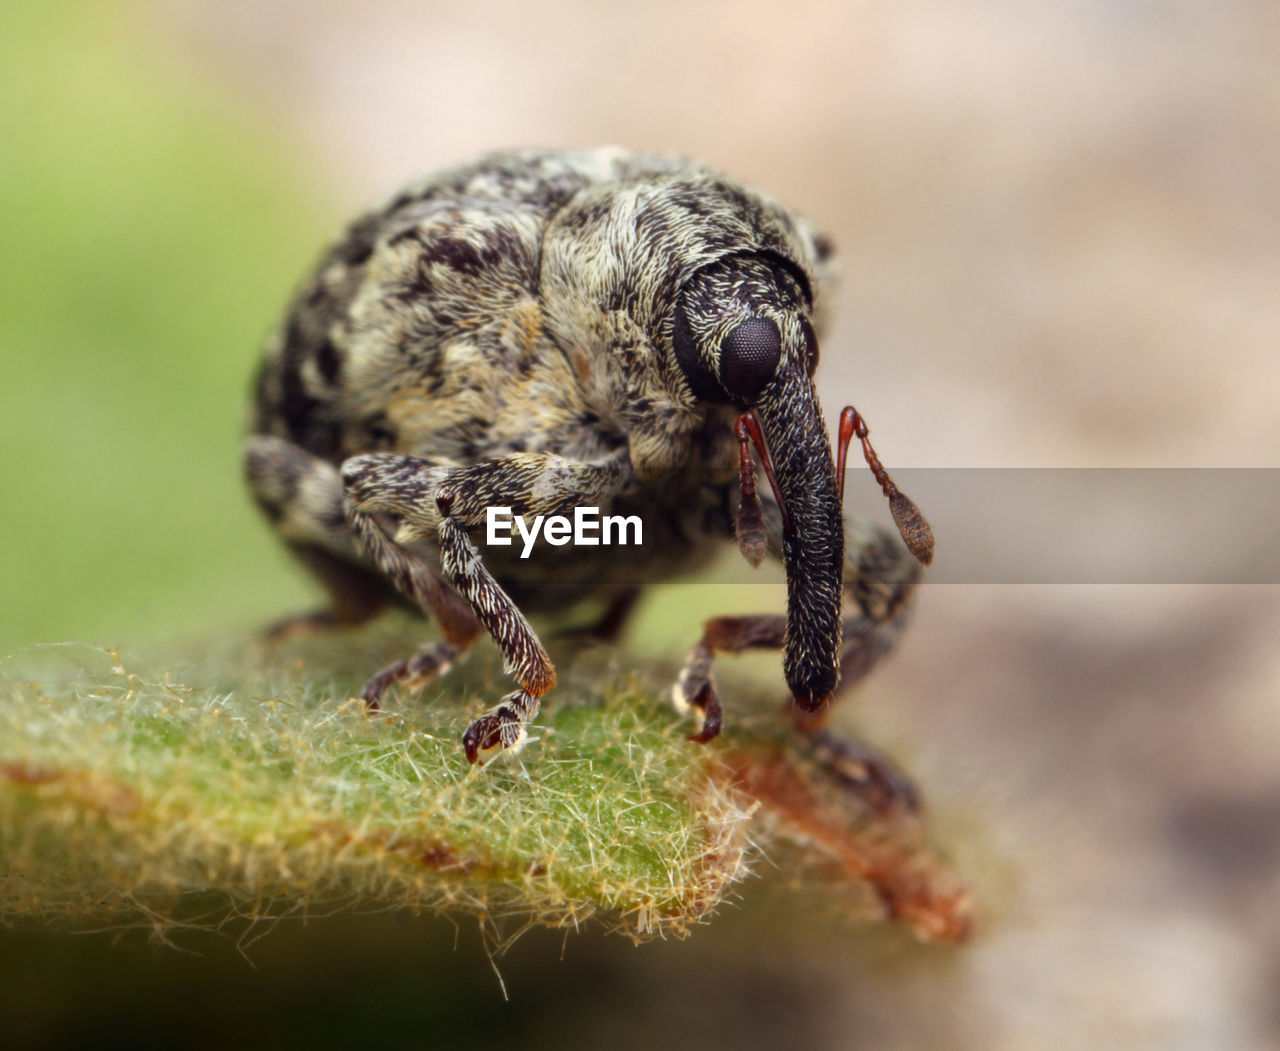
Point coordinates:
[(302, 497), (423, 494), (502, 727), (880, 577), (695, 690), (530, 484), (391, 489), (430, 662)]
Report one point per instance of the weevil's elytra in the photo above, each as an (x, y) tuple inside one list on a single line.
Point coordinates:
[(543, 330)]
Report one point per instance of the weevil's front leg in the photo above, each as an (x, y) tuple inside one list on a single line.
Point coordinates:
[(531, 484), (880, 577), (391, 489), (502, 727), (421, 496), (695, 690)]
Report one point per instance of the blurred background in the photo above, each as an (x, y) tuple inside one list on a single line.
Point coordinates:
[(1061, 248)]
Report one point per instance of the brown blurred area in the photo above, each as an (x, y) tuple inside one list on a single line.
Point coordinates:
[(1061, 247), (1057, 222)]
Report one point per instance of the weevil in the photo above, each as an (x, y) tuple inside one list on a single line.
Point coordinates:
[(545, 330)]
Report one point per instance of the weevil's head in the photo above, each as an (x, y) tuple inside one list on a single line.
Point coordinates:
[(741, 335)]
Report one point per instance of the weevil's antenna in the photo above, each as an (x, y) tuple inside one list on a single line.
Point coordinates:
[(753, 540), (749, 427), (842, 455), (915, 531)]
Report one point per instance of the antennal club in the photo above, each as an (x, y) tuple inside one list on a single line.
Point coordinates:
[(915, 531)]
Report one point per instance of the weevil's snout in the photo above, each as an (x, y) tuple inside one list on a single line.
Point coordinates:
[(741, 336), (813, 541)]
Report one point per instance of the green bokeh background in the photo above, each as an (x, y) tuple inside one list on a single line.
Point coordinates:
[(152, 231)]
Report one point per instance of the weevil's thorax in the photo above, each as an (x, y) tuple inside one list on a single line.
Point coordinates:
[(528, 303)]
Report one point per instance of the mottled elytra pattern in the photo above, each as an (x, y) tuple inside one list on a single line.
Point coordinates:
[(543, 330)]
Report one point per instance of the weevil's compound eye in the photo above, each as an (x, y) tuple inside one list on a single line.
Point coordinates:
[(749, 357)]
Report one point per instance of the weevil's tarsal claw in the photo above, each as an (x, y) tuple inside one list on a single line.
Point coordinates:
[(430, 662), (483, 739), (501, 730), (913, 527), (694, 694), (708, 703), (377, 686), (753, 540)]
